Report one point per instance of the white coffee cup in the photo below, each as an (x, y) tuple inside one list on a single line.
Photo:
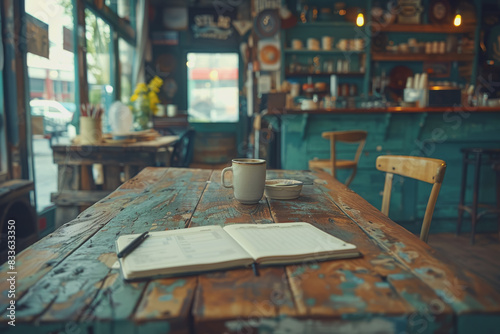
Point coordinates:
[(249, 179), (171, 110)]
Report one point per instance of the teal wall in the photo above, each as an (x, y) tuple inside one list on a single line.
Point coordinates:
[(434, 135)]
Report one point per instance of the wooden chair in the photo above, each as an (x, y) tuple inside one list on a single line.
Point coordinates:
[(332, 164), (422, 169), (182, 153)]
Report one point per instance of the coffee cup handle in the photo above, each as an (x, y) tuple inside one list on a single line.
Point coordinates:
[(227, 169)]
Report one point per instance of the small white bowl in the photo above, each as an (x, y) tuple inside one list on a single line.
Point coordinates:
[(283, 189)]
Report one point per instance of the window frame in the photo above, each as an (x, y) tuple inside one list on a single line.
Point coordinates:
[(119, 28), (4, 163)]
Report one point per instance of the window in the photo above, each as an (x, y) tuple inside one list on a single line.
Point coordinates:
[(99, 61), (126, 52), (120, 7), (49, 77), (52, 91), (213, 87)]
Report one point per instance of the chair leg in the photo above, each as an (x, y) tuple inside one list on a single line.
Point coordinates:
[(462, 193), (351, 177), (475, 195)]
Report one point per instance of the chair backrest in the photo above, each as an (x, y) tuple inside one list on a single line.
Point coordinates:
[(422, 169), (183, 149), (352, 136)]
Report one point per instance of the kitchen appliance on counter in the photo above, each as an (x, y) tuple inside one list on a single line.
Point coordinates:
[(444, 96)]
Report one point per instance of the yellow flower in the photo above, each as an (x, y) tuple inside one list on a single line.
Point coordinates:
[(153, 97), (148, 93)]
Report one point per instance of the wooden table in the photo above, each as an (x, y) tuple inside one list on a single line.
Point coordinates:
[(77, 186), (67, 281)]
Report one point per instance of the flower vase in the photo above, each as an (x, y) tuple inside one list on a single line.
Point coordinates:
[(142, 115)]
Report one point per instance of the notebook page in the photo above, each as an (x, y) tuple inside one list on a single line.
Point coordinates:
[(285, 239), (192, 246)]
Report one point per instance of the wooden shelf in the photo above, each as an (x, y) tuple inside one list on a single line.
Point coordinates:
[(436, 57), (317, 92), (325, 74), (425, 28), (326, 24), (306, 51)]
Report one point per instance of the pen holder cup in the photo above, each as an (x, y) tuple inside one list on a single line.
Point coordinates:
[(90, 130)]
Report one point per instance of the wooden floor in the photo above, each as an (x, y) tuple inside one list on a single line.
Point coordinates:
[(482, 258)]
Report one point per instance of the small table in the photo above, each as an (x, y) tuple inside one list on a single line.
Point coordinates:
[(476, 157), (68, 281), (120, 161)]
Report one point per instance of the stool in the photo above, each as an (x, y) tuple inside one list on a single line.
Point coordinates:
[(474, 156)]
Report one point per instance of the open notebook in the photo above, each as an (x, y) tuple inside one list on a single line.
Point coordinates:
[(206, 248)]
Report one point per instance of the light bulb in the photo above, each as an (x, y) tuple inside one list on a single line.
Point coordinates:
[(458, 20), (360, 20)]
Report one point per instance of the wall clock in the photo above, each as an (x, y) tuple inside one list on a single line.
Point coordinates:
[(267, 23)]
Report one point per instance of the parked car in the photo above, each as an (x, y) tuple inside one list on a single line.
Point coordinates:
[(71, 106), (55, 116)]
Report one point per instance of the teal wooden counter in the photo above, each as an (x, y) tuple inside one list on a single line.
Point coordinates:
[(430, 132)]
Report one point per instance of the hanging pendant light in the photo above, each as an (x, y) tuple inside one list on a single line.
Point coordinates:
[(360, 19), (457, 21)]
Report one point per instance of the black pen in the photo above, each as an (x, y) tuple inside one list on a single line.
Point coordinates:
[(133, 245)]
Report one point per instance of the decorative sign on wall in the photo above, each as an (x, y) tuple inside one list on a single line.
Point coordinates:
[(269, 54), (409, 11), (37, 33), (175, 18), (208, 23)]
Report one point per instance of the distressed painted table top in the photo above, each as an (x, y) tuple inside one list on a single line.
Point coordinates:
[(66, 282)]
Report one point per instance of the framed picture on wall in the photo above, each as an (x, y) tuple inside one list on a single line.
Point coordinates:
[(175, 18)]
